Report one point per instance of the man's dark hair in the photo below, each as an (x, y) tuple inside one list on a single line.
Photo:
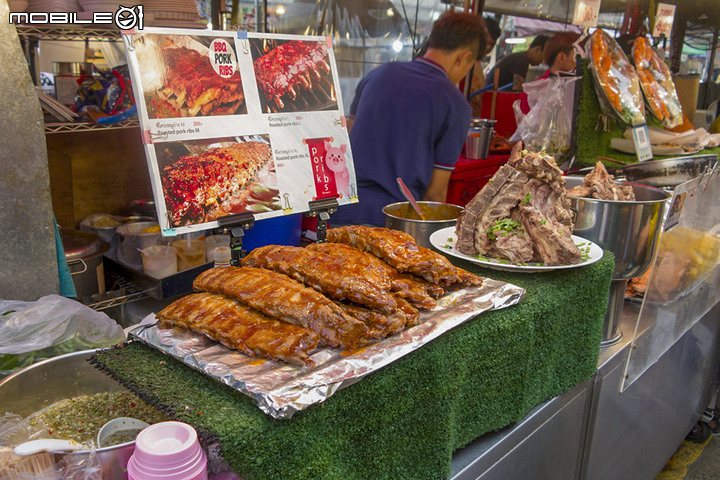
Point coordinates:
[(454, 30), (493, 27), (539, 41)]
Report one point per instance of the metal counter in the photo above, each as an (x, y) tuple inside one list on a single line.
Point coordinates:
[(595, 432)]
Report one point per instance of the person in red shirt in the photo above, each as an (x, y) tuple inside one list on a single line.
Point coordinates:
[(559, 54)]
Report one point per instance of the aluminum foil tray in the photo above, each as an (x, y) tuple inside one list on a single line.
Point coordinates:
[(282, 389)]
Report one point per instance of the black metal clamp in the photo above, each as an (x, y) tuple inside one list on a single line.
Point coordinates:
[(235, 225), (322, 209)]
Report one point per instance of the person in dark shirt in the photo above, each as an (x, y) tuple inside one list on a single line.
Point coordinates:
[(409, 120), (513, 68)]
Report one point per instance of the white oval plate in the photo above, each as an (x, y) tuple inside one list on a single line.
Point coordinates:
[(445, 238)]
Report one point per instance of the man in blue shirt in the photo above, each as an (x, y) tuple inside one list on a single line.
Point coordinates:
[(409, 120)]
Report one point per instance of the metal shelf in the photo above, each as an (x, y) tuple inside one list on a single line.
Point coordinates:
[(87, 126), (77, 34)]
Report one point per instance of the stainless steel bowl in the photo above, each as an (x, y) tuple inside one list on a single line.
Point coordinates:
[(44, 383), (401, 216), (669, 172), (630, 230)]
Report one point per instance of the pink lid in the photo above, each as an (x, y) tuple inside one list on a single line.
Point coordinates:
[(168, 451)]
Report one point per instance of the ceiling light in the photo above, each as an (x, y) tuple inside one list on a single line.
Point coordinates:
[(390, 12), (397, 46), (280, 10), (513, 40)]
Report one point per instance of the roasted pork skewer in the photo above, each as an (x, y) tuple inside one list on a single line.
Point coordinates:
[(240, 327), (283, 298)]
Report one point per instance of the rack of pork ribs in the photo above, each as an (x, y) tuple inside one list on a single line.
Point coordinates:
[(202, 187), (366, 284), (193, 88), (295, 76)]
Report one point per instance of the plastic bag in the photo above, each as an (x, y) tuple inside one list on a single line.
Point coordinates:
[(51, 326), (109, 92), (15, 430), (547, 127)]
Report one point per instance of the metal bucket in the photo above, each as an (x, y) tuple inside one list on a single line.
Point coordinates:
[(401, 216), (630, 230), (479, 137), (84, 254), (71, 375)]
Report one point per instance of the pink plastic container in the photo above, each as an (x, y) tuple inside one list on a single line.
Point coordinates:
[(168, 451)]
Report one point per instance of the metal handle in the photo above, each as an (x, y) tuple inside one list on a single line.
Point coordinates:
[(85, 267)]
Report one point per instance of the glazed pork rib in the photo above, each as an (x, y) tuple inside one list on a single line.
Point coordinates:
[(414, 289), (399, 250), (283, 298), (240, 327), (337, 277)]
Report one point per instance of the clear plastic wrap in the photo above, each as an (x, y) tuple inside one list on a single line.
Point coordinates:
[(48, 327), (547, 127), (616, 81), (657, 84)]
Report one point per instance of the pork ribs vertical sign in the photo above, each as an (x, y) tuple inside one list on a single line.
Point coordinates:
[(239, 122), (324, 178)]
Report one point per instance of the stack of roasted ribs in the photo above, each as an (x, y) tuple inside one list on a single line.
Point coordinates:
[(601, 185), (522, 214), (284, 302)]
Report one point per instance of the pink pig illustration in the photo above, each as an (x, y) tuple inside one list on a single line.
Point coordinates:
[(335, 161)]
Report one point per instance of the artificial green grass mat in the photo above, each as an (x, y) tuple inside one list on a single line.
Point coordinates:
[(593, 140), (406, 420)]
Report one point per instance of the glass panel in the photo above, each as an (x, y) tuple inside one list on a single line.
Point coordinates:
[(683, 283)]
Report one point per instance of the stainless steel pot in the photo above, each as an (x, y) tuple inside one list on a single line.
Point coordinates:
[(401, 216), (669, 172), (479, 137), (84, 254), (630, 230), (71, 375)]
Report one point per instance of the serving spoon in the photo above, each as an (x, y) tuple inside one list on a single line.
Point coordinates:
[(410, 198), (53, 445)]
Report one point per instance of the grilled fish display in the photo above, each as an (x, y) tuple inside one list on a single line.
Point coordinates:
[(240, 327)]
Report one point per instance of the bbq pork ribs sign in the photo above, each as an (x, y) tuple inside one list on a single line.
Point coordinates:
[(192, 76), (228, 119)]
